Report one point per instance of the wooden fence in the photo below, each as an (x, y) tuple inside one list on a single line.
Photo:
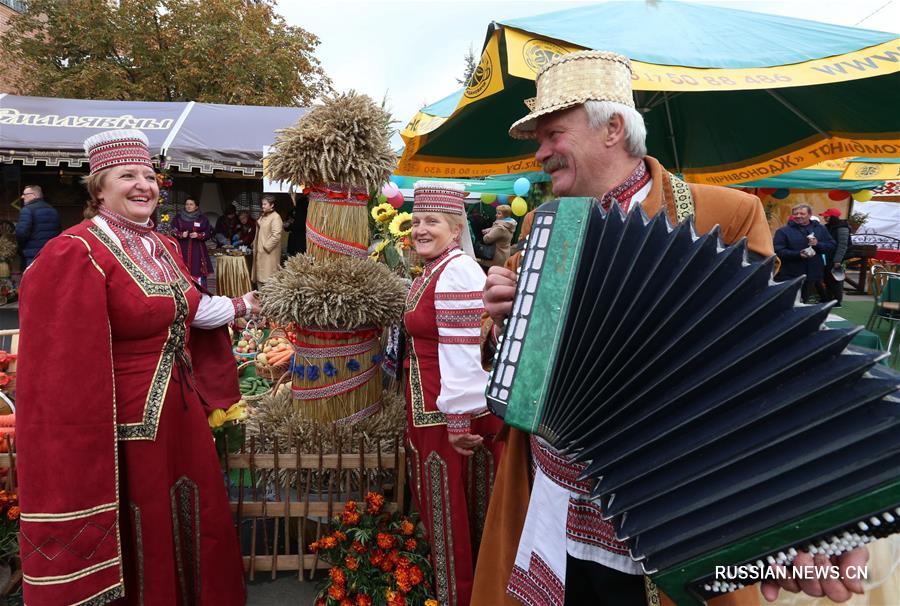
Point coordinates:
[(284, 499)]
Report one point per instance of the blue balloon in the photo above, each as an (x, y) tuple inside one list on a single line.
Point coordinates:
[(502, 198), (521, 186)]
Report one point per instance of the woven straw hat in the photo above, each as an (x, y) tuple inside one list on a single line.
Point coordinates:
[(572, 79)]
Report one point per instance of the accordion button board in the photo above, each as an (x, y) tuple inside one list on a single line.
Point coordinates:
[(719, 422)]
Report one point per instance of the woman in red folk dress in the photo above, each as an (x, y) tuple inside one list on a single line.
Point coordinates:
[(122, 496), (450, 433)]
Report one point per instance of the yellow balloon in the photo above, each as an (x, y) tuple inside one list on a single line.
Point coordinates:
[(519, 206), (863, 195)]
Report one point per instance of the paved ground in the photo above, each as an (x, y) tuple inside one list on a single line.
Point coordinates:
[(286, 589)]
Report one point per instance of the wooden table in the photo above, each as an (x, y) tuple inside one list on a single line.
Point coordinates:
[(232, 276)]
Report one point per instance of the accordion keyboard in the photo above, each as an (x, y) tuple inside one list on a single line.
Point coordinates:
[(832, 543)]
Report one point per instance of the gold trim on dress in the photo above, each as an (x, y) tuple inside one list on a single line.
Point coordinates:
[(420, 416), (185, 503), (105, 596), (70, 515), (90, 255), (139, 549), (175, 341), (72, 576), (441, 526)]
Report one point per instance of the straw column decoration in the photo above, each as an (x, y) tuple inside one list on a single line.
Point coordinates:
[(337, 222), (339, 151), (337, 373), (335, 311)]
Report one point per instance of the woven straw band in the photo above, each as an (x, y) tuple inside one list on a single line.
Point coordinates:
[(342, 247), (437, 198), (365, 413), (116, 147), (571, 80), (335, 389), (337, 195), (334, 351)]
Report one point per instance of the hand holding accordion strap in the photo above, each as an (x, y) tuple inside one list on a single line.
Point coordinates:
[(686, 380)]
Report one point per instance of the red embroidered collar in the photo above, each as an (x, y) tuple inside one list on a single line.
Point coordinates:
[(624, 191), (117, 220), (430, 265)]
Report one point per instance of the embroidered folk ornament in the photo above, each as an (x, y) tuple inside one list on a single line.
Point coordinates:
[(572, 79), (116, 147), (439, 197)]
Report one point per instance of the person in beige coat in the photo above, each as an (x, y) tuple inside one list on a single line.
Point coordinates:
[(267, 243), (500, 234)]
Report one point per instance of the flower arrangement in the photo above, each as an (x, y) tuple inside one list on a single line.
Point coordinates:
[(392, 238), (378, 559), (165, 206), (856, 220), (9, 532), (6, 378)]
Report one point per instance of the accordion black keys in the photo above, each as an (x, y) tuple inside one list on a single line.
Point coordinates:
[(721, 424)]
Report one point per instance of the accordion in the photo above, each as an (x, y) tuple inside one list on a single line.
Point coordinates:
[(720, 423)]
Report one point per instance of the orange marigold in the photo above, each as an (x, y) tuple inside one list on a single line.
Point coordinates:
[(358, 547), (337, 575), (346, 602), (431, 602), (416, 575), (351, 563), (314, 546), (328, 542), (364, 600), (374, 502), (350, 518), (324, 602), (13, 513), (407, 527), (336, 592), (340, 536), (350, 506), (410, 544), (385, 540), (396, 599)]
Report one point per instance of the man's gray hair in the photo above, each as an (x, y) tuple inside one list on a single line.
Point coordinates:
[(36, 190), (600, 112), (806, 206)]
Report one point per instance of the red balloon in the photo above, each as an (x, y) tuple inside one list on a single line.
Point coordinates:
[(397, 201), (838, 194)]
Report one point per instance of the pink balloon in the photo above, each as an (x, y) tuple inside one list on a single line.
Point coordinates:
[(390, 190), (397, 201)]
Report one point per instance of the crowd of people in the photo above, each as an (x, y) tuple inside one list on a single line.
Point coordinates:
[(508, 517), (807, 247)]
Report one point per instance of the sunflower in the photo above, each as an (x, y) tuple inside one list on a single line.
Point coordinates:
[(378, 248), (401, 225), (383, 212)]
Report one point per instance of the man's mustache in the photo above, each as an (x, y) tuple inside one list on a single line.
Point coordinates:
[(553, 163)]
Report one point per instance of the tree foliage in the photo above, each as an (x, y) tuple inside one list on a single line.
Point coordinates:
[(213, 51), (471, 64)]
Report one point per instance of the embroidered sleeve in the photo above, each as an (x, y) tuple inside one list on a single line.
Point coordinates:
[(458, 310)]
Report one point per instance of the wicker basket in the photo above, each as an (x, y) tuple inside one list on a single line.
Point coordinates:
[(269, 371)]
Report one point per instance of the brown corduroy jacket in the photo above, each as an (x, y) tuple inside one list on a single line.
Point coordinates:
[(738, 215)]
